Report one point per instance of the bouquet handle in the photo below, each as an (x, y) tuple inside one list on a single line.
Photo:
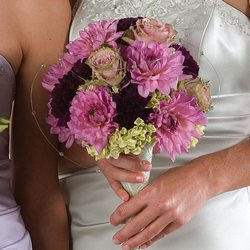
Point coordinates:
[(135, 188)]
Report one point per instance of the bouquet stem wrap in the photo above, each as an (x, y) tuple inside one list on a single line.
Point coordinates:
[(135, 188)]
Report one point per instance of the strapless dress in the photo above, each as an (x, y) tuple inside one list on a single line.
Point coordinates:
[(13, 235)]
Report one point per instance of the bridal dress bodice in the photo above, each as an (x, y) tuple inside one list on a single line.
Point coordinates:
[(13, 235), (218, 36)]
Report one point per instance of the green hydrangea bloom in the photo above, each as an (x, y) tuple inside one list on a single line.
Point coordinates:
[(125, 141), (200, 129), (156, 98)]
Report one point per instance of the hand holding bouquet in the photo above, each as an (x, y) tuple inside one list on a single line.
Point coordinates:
[(126, 87)]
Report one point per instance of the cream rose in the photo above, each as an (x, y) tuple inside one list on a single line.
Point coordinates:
[(150, 30), (200, 89), (107, 65)]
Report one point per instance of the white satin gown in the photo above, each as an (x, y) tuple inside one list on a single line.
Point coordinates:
[(218, 36)]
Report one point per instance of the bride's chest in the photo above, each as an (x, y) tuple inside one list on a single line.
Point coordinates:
[(153, 8), (184, 15), (150, 8), (178, 12)]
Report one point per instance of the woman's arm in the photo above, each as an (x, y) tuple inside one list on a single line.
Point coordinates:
[(35, 33), (172, 199)]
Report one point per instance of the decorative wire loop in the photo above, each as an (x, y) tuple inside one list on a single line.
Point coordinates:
[(33, 112), (215, 85)]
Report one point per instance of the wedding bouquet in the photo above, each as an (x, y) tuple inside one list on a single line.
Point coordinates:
[(127, 87), (4, 123)]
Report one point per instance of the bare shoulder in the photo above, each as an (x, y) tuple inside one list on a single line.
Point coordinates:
[(28, 26), (10, 46), (46, 29)]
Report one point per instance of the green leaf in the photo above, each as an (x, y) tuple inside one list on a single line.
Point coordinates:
[(4, 123)]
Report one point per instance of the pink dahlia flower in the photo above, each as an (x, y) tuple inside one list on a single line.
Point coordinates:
[(154, 66), (94, 37), (57, 71), (92, 114), (64, 133), (175, 123)]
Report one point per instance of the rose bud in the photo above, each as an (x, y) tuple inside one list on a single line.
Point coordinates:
[(107, 65), (150, 30), (200, 89)]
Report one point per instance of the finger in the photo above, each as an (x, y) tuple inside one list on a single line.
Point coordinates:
[(127, 210), (131, 163), (150, 232), (119, 190), (135, 225), (167, 230), (126, 176), (122, 175)]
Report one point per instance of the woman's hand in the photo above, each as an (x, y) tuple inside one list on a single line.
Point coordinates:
[(125, 169), (169, 202)]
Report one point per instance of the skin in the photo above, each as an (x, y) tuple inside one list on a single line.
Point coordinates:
[(171, 200), (35, 33)]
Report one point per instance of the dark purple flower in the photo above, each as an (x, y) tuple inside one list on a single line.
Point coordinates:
[(82, 70), (126, 23), (126, 80), (130, 106), (123, 25), (191, 66), (65, 90)]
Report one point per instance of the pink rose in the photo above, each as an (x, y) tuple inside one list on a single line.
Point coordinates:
[(150, 30), (200, 89), (107, 65)]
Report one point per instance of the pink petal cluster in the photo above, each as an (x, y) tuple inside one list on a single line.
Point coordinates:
[(154, 66), (94, 37), (176, 122), (64, 133), (92, 114), (57, 71)]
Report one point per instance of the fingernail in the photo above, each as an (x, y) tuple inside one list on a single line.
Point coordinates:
[(123, 195), (126, 247), (116, 241), (143, 246), (146, 164), (139, 178)]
